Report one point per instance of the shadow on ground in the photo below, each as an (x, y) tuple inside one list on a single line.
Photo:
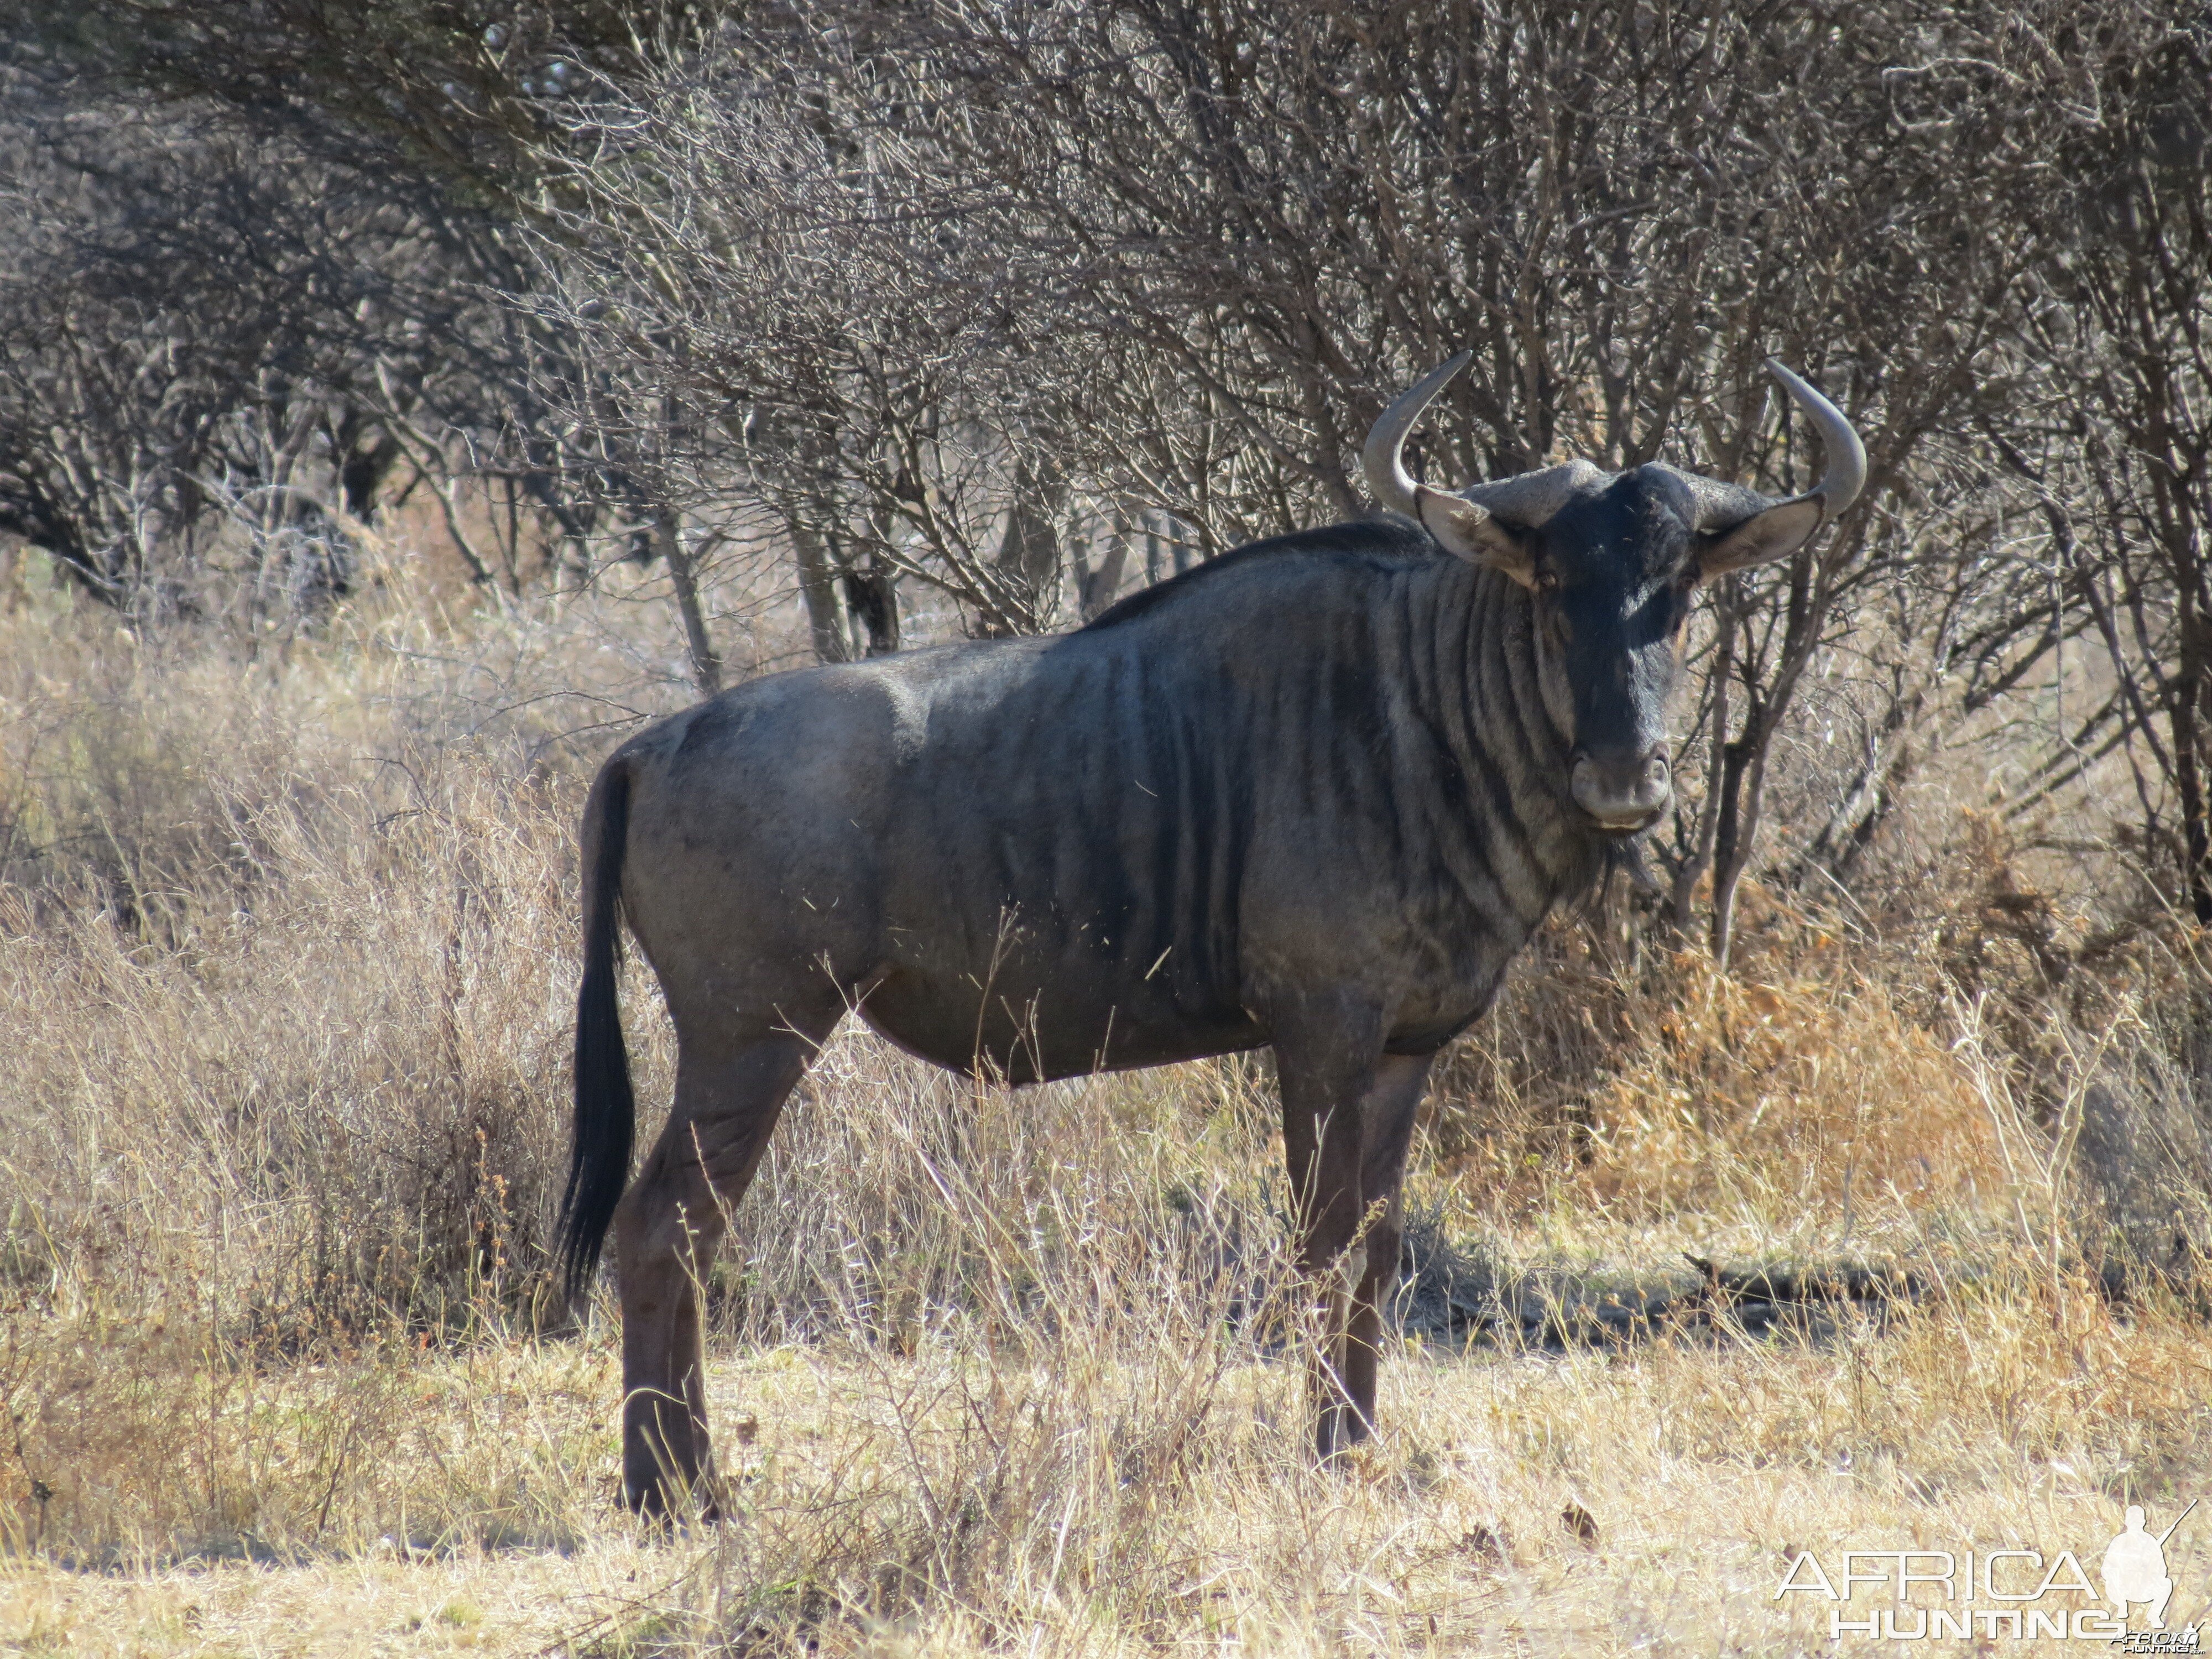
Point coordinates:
[(1448, 1294)]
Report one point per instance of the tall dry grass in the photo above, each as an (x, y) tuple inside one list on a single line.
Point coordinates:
[(286, 949)]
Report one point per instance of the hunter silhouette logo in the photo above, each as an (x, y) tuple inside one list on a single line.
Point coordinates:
[(2135, 1567), (2011, 1594)]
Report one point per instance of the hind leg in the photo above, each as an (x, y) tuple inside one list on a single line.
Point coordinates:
[(729, 1092)]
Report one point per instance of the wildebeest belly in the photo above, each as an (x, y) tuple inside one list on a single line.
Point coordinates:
[(1026, 1017), (1023, 1027)]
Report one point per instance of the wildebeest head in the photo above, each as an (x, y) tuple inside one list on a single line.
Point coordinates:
[(1611, 560)]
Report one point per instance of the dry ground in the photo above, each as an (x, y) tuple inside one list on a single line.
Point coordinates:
[(1692, 1530), (1702, 1472), (285, 957)]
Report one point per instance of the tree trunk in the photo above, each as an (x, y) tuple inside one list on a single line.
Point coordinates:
[(1029, 554), (706, 666), (819, 586), (871, 600), (1101, 582), (2184, 701), (1731, 845)]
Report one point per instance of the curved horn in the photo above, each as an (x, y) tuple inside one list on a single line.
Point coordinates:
[(1846, 456), (1526, 499), (1746, 528), (1384, 457)]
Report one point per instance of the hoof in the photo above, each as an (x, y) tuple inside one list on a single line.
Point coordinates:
[(1340, 1430)]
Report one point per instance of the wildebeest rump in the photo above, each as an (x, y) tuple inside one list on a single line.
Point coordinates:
[(1313, 794)]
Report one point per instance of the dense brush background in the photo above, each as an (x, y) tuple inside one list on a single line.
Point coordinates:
[(395, 409)]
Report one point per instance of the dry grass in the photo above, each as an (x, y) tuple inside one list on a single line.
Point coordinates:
[(285, 945)]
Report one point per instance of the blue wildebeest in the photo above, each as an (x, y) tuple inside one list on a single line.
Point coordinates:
[(1313, 794)]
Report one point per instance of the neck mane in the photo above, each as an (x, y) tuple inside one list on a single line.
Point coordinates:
[(1481, 683)]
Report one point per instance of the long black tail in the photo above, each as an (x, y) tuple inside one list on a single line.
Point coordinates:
[(599, 1160)]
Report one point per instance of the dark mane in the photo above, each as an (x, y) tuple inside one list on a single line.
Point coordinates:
[(1387, 537)]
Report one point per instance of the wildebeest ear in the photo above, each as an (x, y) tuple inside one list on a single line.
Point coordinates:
[(1475, 534), (1774, 534)]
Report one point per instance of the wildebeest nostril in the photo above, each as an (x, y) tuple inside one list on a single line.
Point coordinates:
[(1622, 793)]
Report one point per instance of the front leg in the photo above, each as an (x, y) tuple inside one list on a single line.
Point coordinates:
[(1328, 1051), (1386, 1122)]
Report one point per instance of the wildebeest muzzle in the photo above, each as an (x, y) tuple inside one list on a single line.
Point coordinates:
[(1622, 793)]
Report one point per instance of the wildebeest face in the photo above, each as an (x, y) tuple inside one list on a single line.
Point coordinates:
[(1611, 561), (1611, 575)]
